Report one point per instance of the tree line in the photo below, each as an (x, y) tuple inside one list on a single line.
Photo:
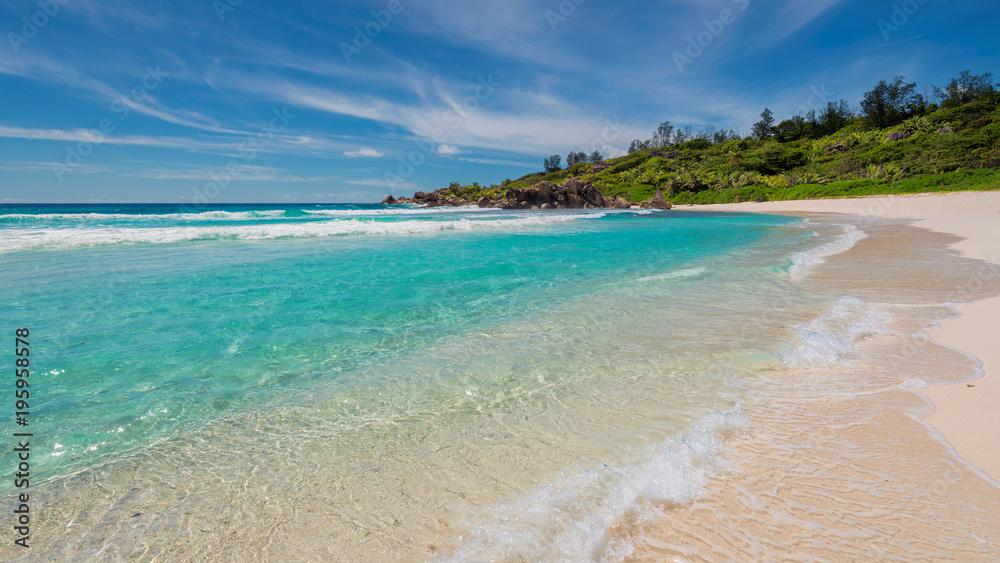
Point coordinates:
[(889, 103), (554, 162)]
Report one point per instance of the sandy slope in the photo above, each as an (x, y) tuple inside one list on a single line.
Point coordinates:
[(969, 417)]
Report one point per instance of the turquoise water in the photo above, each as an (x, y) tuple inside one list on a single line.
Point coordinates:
[(567, 337)]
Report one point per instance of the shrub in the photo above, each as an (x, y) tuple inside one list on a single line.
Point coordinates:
[(696, 145)]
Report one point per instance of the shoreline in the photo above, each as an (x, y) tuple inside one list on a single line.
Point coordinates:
[(965, 413), (814, 442)]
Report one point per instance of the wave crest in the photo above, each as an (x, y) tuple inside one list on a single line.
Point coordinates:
[(49, 238)]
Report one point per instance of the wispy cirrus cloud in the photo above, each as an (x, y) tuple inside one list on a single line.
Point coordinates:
[(527, 129), (382, 183), (139, 96), (244, 173), (364, 153), (498, 162), (795, 15), (47, 167), (224, 145)]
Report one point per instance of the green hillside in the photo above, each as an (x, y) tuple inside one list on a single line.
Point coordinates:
[(949, 148)]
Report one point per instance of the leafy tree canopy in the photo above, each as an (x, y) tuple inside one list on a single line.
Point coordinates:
[(764, 128), (966, 88), (892, 103), (553, 163)]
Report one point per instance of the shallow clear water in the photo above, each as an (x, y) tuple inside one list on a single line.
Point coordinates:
[(352, 381), (138, 338)]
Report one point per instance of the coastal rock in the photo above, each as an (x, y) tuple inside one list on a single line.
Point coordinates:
[(571, 194), (573, 186), (944, 130), (600, 167), (541, 193), (389, 200), (574, 201), (898, 136), (426, 197), (594, 197), (657, 202), (838, 147)]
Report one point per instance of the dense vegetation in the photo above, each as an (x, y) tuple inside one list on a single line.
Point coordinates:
[(896, 143)]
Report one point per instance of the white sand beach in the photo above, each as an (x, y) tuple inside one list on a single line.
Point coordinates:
[(966, 413)]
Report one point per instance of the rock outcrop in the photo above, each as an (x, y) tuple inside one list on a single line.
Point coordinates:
[(656, 202), (571, 194), (898, 136), (437, 198)]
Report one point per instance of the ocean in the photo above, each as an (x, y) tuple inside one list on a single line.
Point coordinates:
[(356, 381)]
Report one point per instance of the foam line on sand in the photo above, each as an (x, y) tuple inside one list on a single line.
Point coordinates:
[(968, 417)]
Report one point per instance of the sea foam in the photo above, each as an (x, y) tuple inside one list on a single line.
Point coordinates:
[(105, 217), (591, 514), (802, 262), (48, 238), (830, 338), (688, 273)]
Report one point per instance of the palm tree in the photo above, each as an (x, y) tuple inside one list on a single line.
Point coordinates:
[(690, 180), (735, 159)]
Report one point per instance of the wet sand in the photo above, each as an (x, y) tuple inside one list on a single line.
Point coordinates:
[(968, 417), (854, 462)]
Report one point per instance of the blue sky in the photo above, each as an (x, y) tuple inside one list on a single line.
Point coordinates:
[(263, 101)]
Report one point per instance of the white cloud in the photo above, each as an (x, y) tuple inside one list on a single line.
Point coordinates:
[(48, 167), (225, 145), (612, 151), (363, 153), (796, 14), (448, 150), (380, 183), (498, 162), (141, 100), (513, 27), (534, 129), (245, 173), (93, 136)]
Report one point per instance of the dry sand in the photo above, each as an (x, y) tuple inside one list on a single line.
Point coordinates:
[(968, 414)]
